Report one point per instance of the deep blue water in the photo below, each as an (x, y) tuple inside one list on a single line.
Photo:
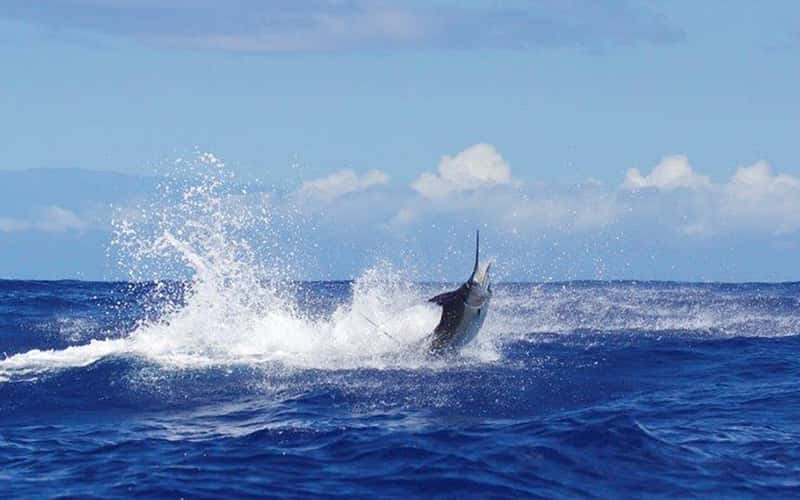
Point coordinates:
[(581, 389)]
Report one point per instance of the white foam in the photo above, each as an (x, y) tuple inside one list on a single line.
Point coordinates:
[(240, 309), (629, 307), (36, 361), (216, 328)]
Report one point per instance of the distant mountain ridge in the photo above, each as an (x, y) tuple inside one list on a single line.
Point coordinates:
[(71, 188), (54, 221)]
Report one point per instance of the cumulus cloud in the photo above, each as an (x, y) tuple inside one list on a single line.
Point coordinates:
[(464, 181), (578, 210), (55, 219), (52, 219), (757, 183), (324, 25), (476, 167), (673, 172), (10, 225), (341, 183), (758, 197), (754, 200), (673, 198)]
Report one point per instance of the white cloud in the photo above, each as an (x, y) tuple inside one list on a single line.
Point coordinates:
[(52, 219), (10, 225), (476, 167), (58, 220), (757, 183), (584, 208), (673, 172), (758, 198), (331, 30), (754, 200), (341, 183), (328, 25)]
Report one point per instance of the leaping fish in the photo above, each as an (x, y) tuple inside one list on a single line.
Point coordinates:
[(463, 309)]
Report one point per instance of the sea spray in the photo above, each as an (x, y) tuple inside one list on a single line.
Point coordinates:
[(205, 235)]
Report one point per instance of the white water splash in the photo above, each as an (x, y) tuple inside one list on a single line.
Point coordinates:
[(239, 307)]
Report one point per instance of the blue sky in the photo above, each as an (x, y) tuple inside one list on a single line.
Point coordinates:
[(542, 107)]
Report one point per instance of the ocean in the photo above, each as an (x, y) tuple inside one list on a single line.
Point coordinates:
[(215, 387)]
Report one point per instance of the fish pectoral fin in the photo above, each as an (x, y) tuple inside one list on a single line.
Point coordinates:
[(446, 298)]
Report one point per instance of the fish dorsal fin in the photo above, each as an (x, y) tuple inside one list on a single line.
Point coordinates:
[(477, 253)]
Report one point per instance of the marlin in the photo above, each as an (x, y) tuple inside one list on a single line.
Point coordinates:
[(463, 309)]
